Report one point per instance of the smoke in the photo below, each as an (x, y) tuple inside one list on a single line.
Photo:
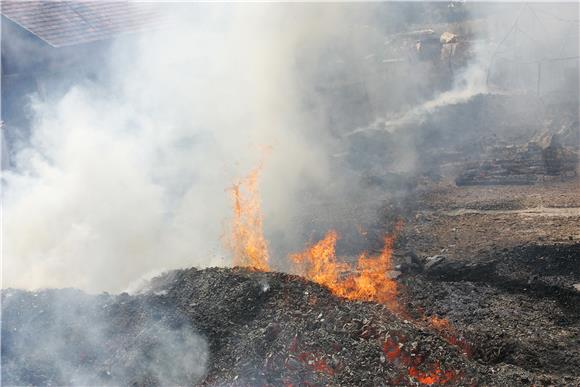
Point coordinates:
[(65, 337), (128, 174), (520, 71), (534, 47)]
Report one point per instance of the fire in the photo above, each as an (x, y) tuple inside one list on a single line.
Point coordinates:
[(318, 262), (368, 280), (448, 332), (433, 374), (247, 243), (440, 323)]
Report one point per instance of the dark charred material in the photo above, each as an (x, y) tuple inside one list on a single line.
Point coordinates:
[(266, 329), (67, 337), (511, 165), (519, 309)]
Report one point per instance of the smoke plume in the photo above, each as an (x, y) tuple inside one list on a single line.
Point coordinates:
[(128, 174)]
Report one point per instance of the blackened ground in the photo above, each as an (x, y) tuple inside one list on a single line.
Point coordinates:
[(502, 264), (270, 329), (278, 329), (521, 311)]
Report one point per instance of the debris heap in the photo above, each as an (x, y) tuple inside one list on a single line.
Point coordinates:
[(226, 327)]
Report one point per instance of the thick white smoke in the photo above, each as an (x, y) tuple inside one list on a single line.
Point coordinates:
[(129, 177)]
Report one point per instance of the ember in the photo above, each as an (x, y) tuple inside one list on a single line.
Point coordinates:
[(449, 334), (433, 375)]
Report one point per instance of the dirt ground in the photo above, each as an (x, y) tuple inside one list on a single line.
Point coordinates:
[(463, 222), (509, 273)]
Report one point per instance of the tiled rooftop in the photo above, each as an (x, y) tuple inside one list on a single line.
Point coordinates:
[(67, 23)]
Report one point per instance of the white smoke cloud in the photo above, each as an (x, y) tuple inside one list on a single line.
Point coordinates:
[(127, 177), (66, 337)]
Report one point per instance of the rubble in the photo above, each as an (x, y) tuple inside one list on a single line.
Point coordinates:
[(291, 331), (512, 165), (434, 261)]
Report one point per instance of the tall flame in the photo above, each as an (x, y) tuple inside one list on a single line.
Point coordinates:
[(247, 241), (366, 280), (369, 280)]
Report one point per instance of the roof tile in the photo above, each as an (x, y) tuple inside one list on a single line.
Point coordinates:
[(65, 23)]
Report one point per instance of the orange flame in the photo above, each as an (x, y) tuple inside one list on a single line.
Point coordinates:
[(440, 323), (432, 375), (247, 242), (318, 262), (435, 376), (448, 332), (368, 280)]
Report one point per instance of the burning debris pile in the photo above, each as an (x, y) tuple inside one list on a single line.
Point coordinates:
[(377, 319), (261, 329), (339, 322), (289, 331)]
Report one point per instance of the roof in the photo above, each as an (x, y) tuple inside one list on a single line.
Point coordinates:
[(67, 23)]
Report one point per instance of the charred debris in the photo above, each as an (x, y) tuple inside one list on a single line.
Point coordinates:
[(278, 329)]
